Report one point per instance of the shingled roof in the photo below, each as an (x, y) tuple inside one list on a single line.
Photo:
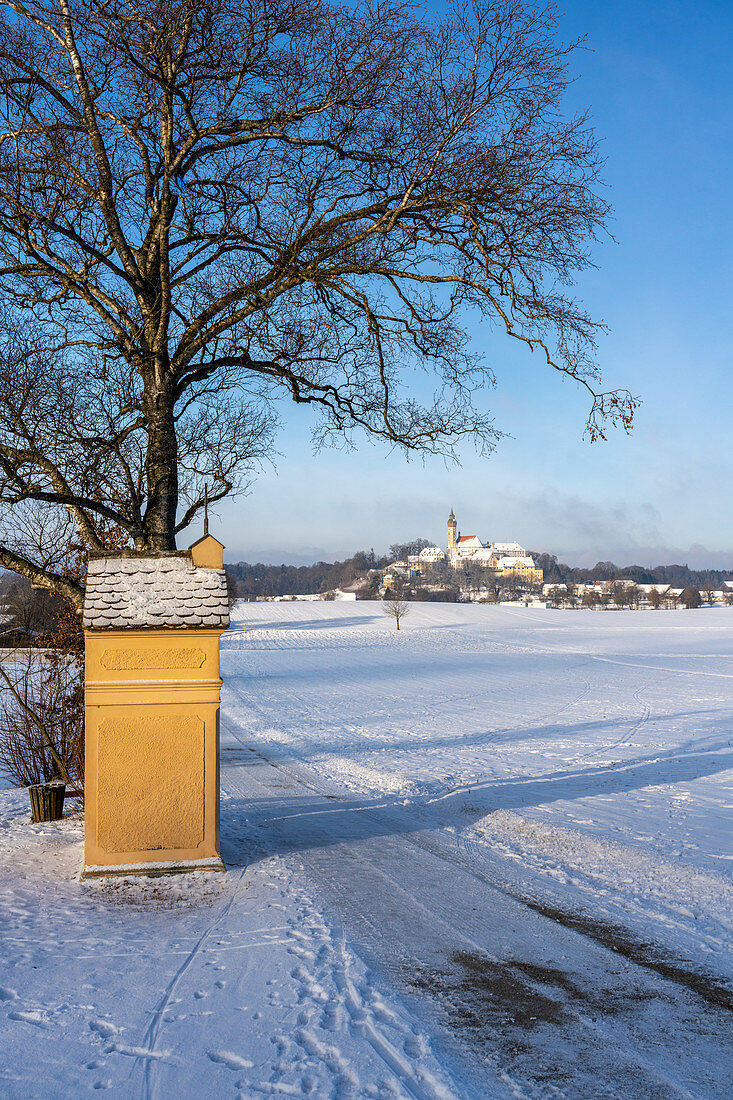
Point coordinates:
[(132, 593)]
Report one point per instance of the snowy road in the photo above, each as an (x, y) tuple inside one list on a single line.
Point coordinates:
[(514, 999), (488, 856)]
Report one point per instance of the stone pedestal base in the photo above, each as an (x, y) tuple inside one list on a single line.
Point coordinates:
[(173, 867), (152, 752)]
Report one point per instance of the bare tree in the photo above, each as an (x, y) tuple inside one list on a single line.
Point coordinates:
[(397, 609), (207, 206), (654, 598), (620, 595), (557, 595), (400, 551), (691, 597)]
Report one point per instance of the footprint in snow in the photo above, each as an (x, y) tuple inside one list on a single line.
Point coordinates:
[(7, 994), (200, 994), (28, 1018), (331, 1016), (136, 1052), (414, 1046), (104, 1028), (231, 1061)]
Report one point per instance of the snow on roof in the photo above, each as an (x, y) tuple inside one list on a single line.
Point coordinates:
[(484, 554), (431, 552), (508, 548), (470, 540), (128, 593)]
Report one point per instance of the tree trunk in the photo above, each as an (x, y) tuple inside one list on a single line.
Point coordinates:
[(161, 469)]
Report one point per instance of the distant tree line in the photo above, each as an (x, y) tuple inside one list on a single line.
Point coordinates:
[(249, 581), (679, 576)]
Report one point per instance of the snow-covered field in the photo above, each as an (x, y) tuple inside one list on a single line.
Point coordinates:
[(486, 856)]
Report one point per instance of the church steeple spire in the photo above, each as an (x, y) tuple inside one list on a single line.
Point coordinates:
[(451, 555)]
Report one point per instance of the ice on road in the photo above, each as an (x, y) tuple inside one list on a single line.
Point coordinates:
[(486, 856)]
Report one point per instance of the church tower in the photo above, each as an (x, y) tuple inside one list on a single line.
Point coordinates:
[(452, 550)]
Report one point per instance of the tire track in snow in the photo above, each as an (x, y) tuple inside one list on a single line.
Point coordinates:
[(475, 861), (638, 664), (625, 738), (313, 710), (343, 868)]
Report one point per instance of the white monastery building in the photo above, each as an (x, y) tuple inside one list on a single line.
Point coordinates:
[(504, 557)]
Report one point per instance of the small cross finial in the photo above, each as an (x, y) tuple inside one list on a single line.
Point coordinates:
[(206, 510)]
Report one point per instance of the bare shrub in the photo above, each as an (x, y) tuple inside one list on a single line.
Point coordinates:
[(42, 701), (42, 718)]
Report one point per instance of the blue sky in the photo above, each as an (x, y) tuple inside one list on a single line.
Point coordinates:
[(656, 77)]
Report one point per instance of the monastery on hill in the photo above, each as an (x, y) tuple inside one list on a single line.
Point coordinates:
[(505, 557)]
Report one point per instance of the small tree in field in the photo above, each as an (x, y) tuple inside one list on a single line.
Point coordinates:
[(654, 599), (397, 609)]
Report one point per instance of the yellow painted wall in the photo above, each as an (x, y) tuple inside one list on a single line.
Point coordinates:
[(152, 784)]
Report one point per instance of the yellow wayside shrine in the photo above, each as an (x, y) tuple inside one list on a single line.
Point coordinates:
[(152, 627)]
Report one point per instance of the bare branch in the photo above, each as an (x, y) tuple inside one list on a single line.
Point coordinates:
[(213, 205)]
